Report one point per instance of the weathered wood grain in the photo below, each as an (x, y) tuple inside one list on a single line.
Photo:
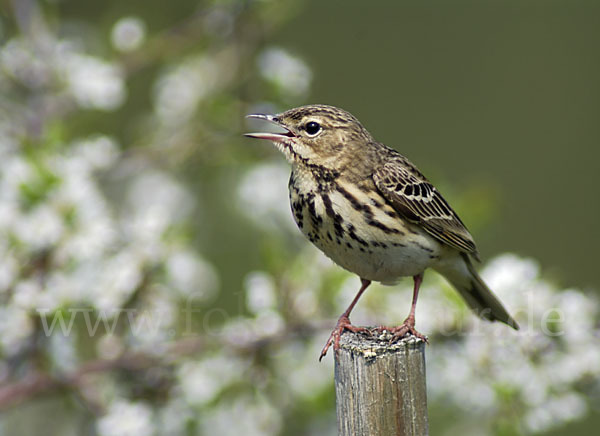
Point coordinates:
[(380, 387)]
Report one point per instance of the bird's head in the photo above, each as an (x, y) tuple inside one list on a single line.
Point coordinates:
[(315, 134)]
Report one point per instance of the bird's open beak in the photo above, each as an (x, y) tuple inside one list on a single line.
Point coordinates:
[(278, 137)]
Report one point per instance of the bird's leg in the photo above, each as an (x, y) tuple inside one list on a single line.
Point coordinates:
[(408, 326), (344, 323)]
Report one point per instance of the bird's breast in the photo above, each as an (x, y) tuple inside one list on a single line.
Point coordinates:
[(355, 227)]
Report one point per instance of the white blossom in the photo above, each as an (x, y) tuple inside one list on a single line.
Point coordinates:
[(126, 419), (95, 83), (190, 275), (179, 91), (254, 416), (263, 196), (15, 328), (128, 34), (287, 71), (260, 292), (201, 381), (40, 228)]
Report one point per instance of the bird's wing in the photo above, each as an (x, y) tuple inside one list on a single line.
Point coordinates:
[(417, 200)]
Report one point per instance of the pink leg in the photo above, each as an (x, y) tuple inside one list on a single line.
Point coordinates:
[(344, 322), (408, 326)]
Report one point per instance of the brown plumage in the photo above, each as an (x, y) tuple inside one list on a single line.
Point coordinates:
[(373, 212), (417, 200)]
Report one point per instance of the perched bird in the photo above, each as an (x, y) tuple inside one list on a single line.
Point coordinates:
[(371, 211)]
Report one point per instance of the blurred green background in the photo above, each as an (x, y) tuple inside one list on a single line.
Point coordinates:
[(497, 102)]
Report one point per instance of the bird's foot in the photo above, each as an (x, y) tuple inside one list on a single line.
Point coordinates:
[(406, 328), (342, 325)]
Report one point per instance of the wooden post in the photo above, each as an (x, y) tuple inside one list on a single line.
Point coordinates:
[(380, 387)]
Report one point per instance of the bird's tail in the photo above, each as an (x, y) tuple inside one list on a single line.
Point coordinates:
[(475, 292)]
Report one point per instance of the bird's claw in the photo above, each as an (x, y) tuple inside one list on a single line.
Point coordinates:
[(406, 328), (343, 324)]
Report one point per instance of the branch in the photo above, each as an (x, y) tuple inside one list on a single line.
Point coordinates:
[(38, 383), (34, 384)]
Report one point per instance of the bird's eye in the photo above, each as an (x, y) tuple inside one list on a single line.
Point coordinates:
[(312, 128)]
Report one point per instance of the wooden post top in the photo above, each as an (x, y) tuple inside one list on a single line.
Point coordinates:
[(380, 386)]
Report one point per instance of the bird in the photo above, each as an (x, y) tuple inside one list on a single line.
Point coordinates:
[(371, 211)]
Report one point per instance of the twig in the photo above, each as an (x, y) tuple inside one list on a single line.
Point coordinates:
[(38, 383)]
